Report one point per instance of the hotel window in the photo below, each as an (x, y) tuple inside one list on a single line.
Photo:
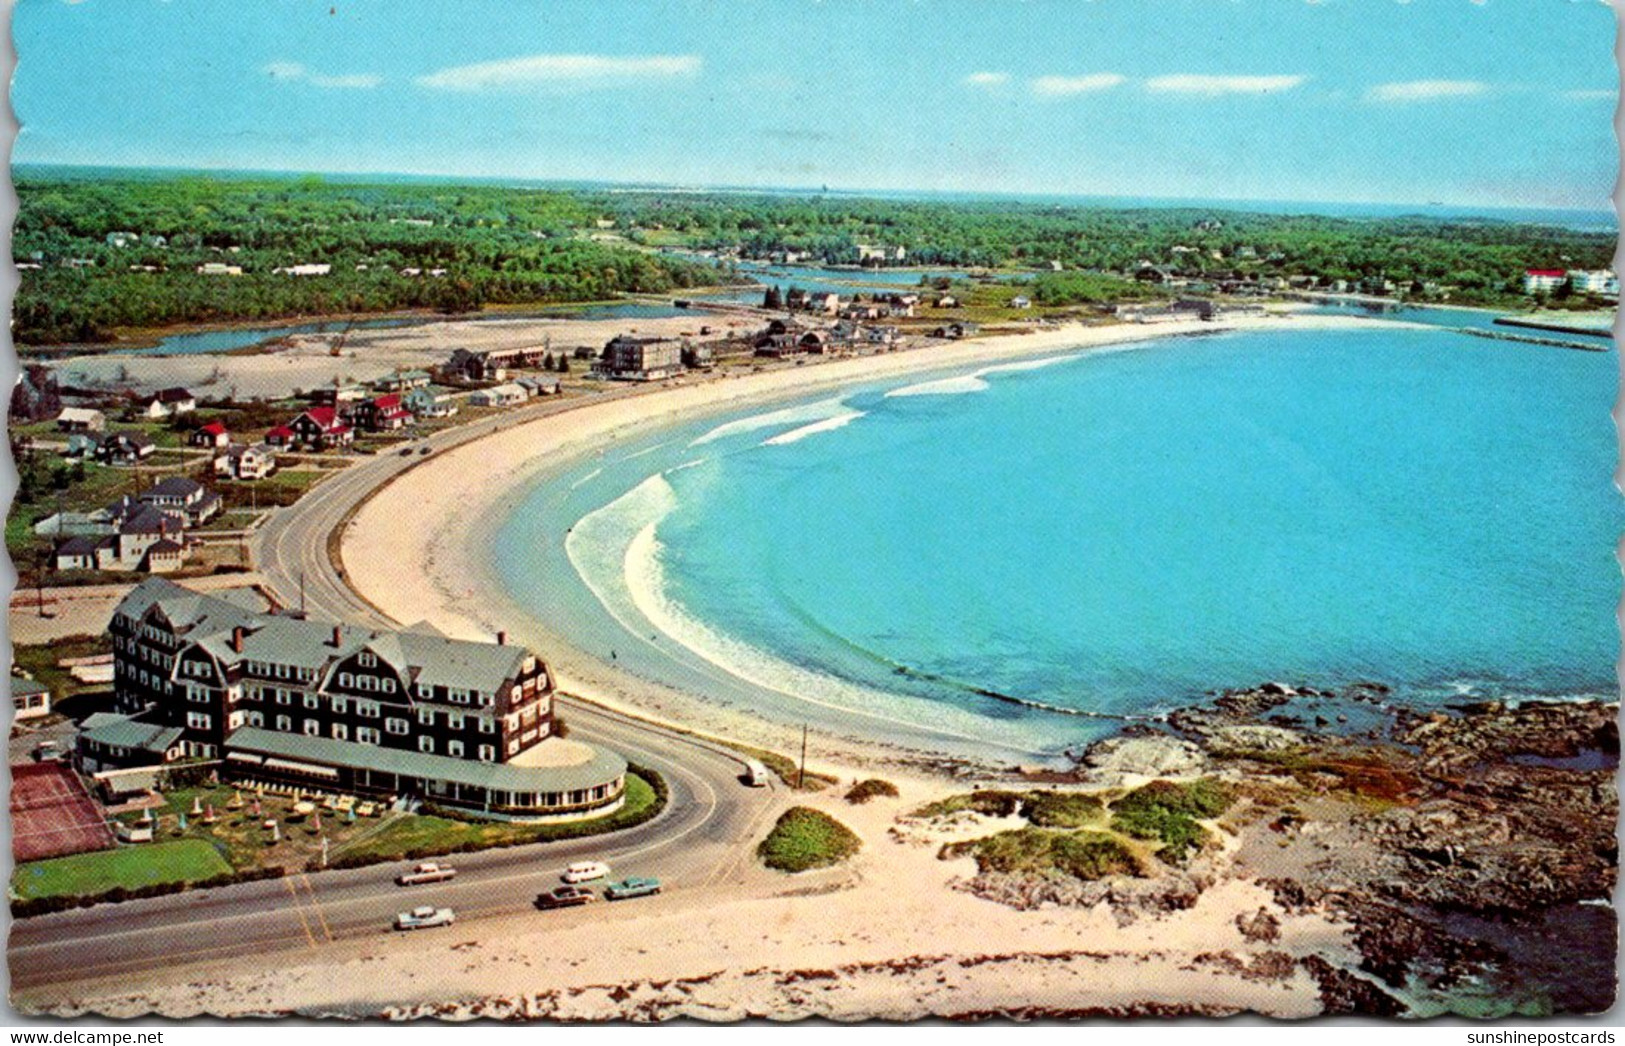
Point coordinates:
[(345, 679), (256, 719), (425, 690), (487, 753), (234, 720), (284, 722), (488, 726), (284, 697), (454, 748), (396, 726), (367, 659), (341, 732), (454, 721), (458, 697), (311, 701), (389, 685), (366, 708), (487, 700), (426, 716), (340, 705), (198, 720), (513, 746), (366, 735), (313, 728), (425, 743)]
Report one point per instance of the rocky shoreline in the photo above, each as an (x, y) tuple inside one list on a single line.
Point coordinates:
[(1471, 850)]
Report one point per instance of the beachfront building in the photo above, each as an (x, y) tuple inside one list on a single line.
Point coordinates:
[(245, 462), (628, 358), (178, 495), (380, 414), (499, 396), (277, 697), (167, 403), (212, 436), (1543, 281), (125, 448), (403, 381), (80, 419), (318, 428), (1595, 281), (30, 699), (493, 364)]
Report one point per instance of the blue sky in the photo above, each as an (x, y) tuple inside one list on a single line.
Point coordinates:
[(1499, 102)]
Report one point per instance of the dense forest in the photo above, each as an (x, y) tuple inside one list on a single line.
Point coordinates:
[(127, 253), (109, 252)]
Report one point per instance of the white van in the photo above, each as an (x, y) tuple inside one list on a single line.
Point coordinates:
[(756, 774), (585, 871)]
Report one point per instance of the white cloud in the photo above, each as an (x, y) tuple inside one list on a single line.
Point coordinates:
[(1061, 86), (1426, 90), (987, 79), (557, 69), (293, 72), (351, 80), (1213, 86)]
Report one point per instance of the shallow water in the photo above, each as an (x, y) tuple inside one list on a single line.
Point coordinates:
[(1007, 553)]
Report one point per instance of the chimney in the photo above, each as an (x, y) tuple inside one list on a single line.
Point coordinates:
[(237, 639), (502, 639), (338, 639)]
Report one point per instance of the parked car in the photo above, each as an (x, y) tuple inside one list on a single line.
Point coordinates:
[(428, 872), (424, 918), (585, 871), (565, 897), (631, 888)]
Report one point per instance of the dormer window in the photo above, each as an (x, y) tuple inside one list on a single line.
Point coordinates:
[(368, 659)]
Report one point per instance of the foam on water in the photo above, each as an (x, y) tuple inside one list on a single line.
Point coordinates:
[(975, 382), (799, 414), (827, 425)]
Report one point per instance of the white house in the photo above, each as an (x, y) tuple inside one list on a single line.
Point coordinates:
[(81, 419), (1537, 281), (219, 269), (244, 462), (499, 396), (167, 403), (1595, 281)]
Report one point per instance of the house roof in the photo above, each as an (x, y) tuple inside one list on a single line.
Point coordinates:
[(21, 687), (174, 487), (1546, 272), (214, 428), (280, 431), (163, 547), (79, 414), (130, 436), (423, 659), (602, 767), (172, 395), (78, 546), (107, 728)]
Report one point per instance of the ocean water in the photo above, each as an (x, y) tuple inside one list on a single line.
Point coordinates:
[(1017, 556)]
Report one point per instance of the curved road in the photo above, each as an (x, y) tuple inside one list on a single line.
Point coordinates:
[(699, 841)]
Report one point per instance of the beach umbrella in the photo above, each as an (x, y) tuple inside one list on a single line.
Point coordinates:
[(197, 805), (316, 820), (349, 815), (146, 815), (208, 814), (236, 801), (276, 832), (182, 820)]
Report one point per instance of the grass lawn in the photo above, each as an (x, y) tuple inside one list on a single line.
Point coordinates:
[(282, 487), (186, 860), (429, 836), (41, 662), (805, 838)]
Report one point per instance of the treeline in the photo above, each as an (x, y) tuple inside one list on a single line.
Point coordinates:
[(495, 246), (1478, 258)]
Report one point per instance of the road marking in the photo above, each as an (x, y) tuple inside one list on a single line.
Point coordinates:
[(300, 911), (315, 905)]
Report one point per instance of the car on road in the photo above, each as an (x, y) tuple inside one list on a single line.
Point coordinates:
[(428, 872), (425, 917), (565, 897), (619, 891), (406, 452), (585, 871)]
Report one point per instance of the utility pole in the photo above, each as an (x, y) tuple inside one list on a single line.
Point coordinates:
[(301, 593), (801, 774)]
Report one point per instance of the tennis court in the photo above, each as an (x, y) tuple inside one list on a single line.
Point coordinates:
[(52, 814)]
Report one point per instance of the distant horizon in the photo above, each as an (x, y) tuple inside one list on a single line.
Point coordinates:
[(1442, 209), (1475, 104)]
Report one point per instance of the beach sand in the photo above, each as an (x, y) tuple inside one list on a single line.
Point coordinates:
[(842, 943)]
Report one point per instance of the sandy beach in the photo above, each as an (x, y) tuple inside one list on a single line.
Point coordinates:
[(419, 549)]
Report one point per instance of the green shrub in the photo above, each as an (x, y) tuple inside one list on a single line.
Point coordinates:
[(1062, 809), (1166, 811), (1035, 851), (806, 838), (990, 803), (873, 788)]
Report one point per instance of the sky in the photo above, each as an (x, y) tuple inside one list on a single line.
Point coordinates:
[(1464, 102)]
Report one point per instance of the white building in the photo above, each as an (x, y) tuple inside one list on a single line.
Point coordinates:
[(1538, 281), (1595, 281)]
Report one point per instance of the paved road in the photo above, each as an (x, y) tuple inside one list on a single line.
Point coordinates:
[(700, 842)]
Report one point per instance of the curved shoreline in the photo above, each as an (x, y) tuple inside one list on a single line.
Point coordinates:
[(441, 517)]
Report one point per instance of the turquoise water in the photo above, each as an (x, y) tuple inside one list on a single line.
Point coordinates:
[(990, 555)]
